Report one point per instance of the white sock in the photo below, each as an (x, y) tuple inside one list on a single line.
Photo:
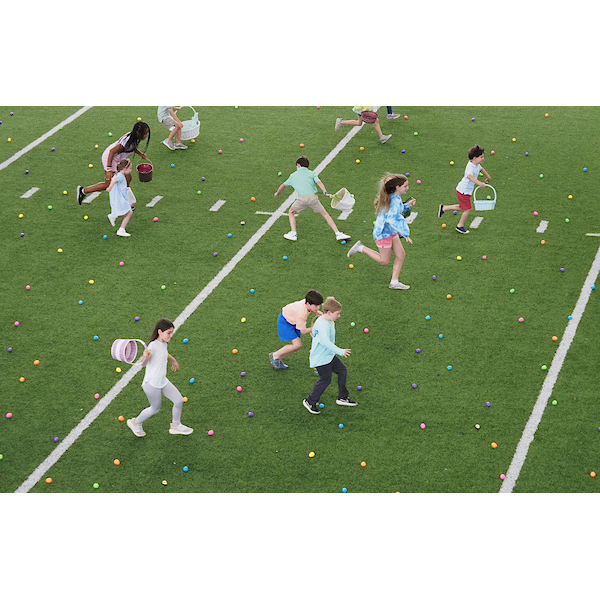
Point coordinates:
[(394, 281), (122, 229)]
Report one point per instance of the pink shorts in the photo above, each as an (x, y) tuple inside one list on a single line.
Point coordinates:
[(464, 201), (386, 242)]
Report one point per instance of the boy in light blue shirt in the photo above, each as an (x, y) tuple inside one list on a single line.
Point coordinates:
[(305, 183), (324, 357)]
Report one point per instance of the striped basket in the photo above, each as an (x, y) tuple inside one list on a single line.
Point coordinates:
[(126, 350)]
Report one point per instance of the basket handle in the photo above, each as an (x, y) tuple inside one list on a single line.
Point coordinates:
[(486, 185), (195, 111)]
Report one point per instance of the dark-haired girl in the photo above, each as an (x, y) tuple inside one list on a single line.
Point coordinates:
[(156, 385), (124, 147)]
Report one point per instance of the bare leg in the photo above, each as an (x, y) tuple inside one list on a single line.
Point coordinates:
[(329, 220), (126, 219), (399, 260), (292, 217), (296, 344), (378, 128), (383, 257), (463, 218), (99, 187)]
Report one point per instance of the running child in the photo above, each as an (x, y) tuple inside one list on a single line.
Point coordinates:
[(119, 193), (166, 116), (156, 385), (291, 324), (124, 147), (365, 115), (466, 185), (390, 227), (324, 357), (305, 183)]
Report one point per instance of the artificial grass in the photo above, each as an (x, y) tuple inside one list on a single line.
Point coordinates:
[(494, 358)]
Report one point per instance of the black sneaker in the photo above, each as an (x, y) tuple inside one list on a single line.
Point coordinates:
[(440, 211), (311, 408), (346, 402), (80, 194), (462, 230)]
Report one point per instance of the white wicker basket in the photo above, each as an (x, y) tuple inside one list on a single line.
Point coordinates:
[(191, 127), (484, 204)]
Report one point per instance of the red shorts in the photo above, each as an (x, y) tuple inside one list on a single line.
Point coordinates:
[(464, 201), (386, 242)]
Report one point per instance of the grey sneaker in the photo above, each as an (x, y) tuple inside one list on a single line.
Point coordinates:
[(338, 124), (292, 235), (311, 408), (393, 116), (137, 429), (169, 144), (180, 146), (399, 286), (355, 249), (462, 230), (384, 138), (181, 429)]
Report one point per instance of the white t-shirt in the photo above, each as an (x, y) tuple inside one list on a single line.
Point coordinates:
[(466, 186), (156, 369)]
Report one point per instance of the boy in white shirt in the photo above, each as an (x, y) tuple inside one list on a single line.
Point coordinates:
[(466, 186)]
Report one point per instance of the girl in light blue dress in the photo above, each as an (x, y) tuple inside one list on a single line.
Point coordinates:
[(118, 193), (390, 226)]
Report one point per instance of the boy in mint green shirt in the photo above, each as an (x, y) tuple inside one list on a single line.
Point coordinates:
[(305, 184), (324, 357)]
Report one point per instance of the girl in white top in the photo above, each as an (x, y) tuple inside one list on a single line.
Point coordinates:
[(118, 192), (156, 385)]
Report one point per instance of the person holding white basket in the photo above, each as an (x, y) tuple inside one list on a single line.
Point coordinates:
[(465, 187), (168, 117), (156, 385)]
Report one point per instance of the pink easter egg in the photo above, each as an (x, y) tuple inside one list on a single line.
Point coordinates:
[(535, 213), (484, 257), (239, 388), (9, 415), (503, 476), (422, 425), (211, 432), (17, 323), (521, 319), (96, 396), (366, 330)]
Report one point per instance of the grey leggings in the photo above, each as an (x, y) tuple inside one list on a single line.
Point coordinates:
[(155, 398)]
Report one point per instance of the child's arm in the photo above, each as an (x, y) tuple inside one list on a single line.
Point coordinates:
[(322, 338), (172, 112), (279, 190), (484, 173), (140, 154), (174, 363), (320, 184), (111, 185), (474, 180), (147, 356)]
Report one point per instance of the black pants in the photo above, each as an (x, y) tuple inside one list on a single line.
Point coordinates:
[(325, 371)]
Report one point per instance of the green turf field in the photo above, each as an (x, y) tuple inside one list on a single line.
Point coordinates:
[(494, 358)]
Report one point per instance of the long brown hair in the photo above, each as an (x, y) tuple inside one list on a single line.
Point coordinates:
[(163, 325), (387, 186)]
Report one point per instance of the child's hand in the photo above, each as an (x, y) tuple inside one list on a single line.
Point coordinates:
[(142, 155), (276, 194), (147, 354), (488, 179), (409, 240), (174, 365), (347, 352), (412, 202), (481, 183)]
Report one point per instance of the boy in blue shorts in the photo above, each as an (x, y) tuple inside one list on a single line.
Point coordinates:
[(291, 324), (305, 183)]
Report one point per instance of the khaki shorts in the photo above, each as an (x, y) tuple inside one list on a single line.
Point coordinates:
[(169, 121), (310, 201)]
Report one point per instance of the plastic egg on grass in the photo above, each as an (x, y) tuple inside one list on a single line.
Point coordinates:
[(211, 432), (121, 418), (363, 464), (366, 330), (422, 425)]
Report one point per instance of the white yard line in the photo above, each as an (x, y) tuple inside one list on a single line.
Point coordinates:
[(542, 227), (42, 138), (74, 434), (154, 201), (30, 192), (90, 198), (557, 362), (475, 223), (217, 205)]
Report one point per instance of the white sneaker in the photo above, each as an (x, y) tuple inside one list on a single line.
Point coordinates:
[(292, 236), (384, 138), (169, 144), (339, 236), (338, 124), (355, 249), (180, 429), (137, 429), (180, 146), (123, 233), (396, 285), (393, 116), (112, 219)]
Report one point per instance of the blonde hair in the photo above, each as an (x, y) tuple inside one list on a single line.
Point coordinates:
[(331, 304), (387, 186)]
